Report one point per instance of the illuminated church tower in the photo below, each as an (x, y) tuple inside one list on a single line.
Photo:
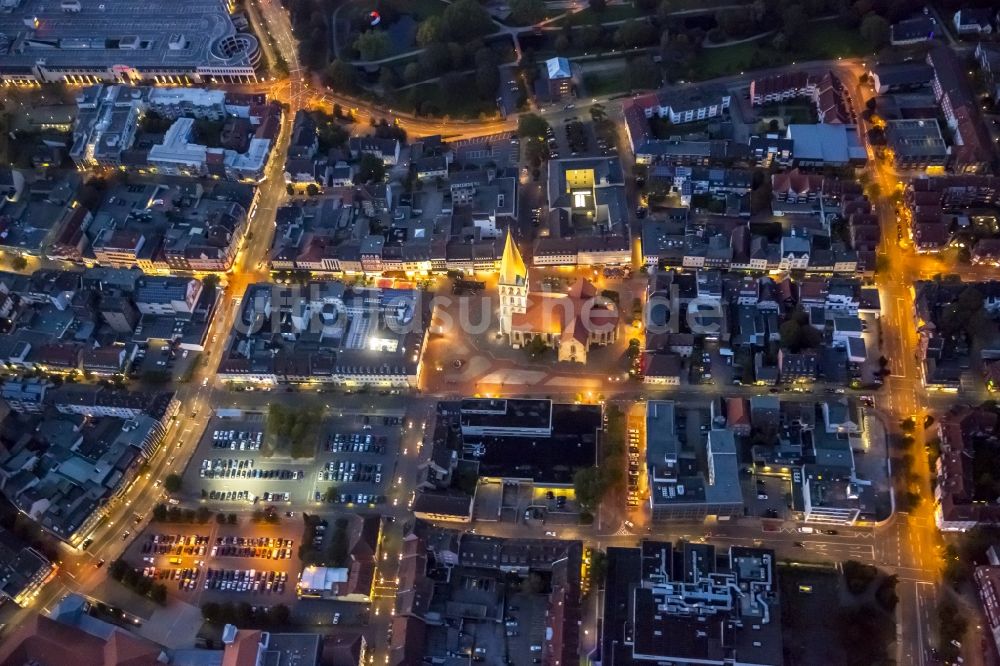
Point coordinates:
[(513, 284)]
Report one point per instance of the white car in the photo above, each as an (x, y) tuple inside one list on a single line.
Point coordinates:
[(550, 534)]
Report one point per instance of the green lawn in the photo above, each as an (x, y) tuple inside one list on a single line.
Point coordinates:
[(828, 39), (588, 16), (605, 83), (821, 40), (429, 98), (793, 111)]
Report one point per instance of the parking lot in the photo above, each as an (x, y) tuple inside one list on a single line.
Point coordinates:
[(766, 496), (576, 137), (354, 463), (357, 461), (251, 562)]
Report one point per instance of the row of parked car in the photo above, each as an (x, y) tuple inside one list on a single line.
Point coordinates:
[(175, 544), (231, 496), (356, 443), (185, 577), (633, 467), (349, 472), (264, 547), (351, 498), (233, 440), (245, 580), (231, 468)]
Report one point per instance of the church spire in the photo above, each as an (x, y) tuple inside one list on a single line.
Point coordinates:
[(512, 268)]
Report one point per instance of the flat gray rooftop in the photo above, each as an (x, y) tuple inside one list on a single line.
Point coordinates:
[(108, 32)]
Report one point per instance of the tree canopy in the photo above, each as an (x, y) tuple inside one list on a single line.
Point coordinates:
[(527, 11), (798, 334), (342, 76), (875, 30), (373, 44), (465, 20), (370, 169)]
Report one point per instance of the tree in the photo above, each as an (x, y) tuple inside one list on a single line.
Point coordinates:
[(204, 513), (632, 34), (643, 73), (531, 125), (465, 20), (342, 76), (220, 518), (373, 45), (279, 615), (597, 6), (412, 73), (536, 346), (588, 36), (487, 73), (435, 59), (370, 169), (158, 593), (875, 30), (429, 32), (172, 483), (793, 20), (598, 569), (780, 42), (18, 263), (588, 487), (734, 22), (117, 569), (527, 12), (664, 10), (329, 133), (388, 79), (858, 576), (561, 43), (212, 612), (814, 8)]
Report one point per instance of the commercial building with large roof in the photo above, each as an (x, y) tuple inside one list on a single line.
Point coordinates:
[(687, 603), (689, 480), (126, 41)]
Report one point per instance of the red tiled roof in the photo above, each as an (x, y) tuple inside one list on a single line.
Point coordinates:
[(243, 650), (44, 642)]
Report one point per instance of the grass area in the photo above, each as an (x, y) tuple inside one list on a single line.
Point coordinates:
[(820, 40), (796, 111), (431, 99), (662, 128), (588, 16), (606, 82)]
